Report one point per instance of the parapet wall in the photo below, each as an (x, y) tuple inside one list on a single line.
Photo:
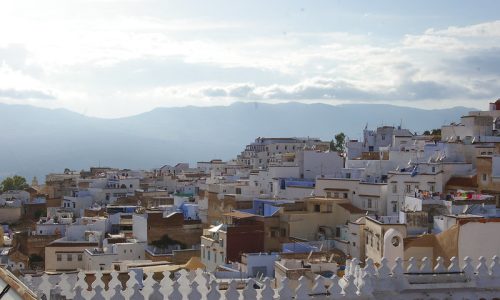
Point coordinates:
[(418, 281)]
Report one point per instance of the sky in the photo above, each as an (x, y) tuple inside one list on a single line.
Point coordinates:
[(116, 58)]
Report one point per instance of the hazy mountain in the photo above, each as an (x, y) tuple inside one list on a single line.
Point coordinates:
[(36, 141)]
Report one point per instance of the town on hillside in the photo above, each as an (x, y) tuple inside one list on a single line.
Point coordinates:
[(394, 215)]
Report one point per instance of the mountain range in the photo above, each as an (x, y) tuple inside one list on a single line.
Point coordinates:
[(36, 141)]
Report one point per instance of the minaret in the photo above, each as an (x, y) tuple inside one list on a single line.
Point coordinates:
[(34, 182)]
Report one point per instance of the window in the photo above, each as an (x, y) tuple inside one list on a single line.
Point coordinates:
[(346, 195), (433, 169), (394, 207), (369, 203), (203, 252), (394, 188), (367, 240), (408, 188), (328, 194), (317, 208), (335, 195), (74, 205), (80, 257), (208, 253), (329, 208), (432, 187), (59, 257), (69, 257), (354, 244), (283, 232), (485, 177), (347, 175)]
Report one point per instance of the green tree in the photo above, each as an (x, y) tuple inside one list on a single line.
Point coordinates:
[(339, 143), (13, 183), (166, 241)]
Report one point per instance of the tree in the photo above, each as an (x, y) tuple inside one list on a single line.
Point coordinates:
[(166, 241), (339, 143), (13, 183), (435, 133)]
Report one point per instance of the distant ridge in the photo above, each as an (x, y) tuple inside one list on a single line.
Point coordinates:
[(36, 141)]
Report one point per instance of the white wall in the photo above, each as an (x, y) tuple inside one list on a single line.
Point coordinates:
[(478, 239), (140, 227)]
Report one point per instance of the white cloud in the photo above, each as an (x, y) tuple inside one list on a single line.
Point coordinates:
[(107, 65)]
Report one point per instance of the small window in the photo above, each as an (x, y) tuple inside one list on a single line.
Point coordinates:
[(74, 205), (59, 257), (369, 203), (346, 195), (395, 241), (329, 208), (485, 177), (394, 207), (408, 188), (80, 257), (317, 208), (394, 188), (208, 253), (328, 194), (69, 257)]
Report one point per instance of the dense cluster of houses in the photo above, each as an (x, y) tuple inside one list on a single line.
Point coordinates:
[(283, 208)]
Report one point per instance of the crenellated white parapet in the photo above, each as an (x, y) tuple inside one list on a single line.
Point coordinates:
[(418, 280)]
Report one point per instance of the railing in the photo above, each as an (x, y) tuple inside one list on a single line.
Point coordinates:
[(418, 280)]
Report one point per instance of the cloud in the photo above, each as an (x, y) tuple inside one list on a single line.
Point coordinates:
[(25, 94), (483, 30), (330, 89)]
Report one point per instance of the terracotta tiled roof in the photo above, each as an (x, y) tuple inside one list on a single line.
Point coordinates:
[(351, 208), (465, 181), (239, 214)]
